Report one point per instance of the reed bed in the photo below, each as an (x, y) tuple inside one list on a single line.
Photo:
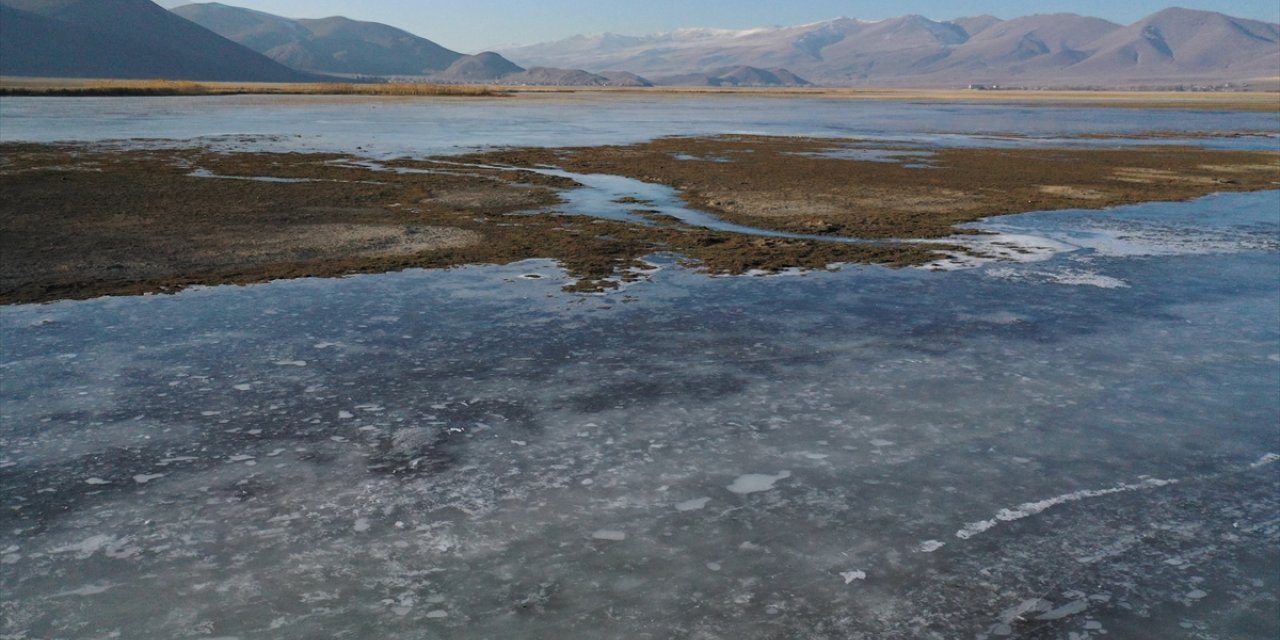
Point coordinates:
[(403, 89)]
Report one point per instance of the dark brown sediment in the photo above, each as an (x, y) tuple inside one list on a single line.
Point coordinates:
[(79, 222)]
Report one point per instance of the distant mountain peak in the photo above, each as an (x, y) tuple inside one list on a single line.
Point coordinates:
[(335, 44), (1182, 47)]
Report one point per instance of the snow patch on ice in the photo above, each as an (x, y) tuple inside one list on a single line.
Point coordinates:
[(1270, 458), (1001, 247), (929, 546), (1070, 277), (1028, 509), (851, 576)]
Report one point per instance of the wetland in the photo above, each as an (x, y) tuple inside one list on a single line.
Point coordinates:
[(985, 371)]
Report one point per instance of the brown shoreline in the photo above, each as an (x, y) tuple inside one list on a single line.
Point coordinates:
[(1258, 100), (79, 222)]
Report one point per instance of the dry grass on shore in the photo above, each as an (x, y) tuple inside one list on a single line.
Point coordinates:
[(1258, 101)]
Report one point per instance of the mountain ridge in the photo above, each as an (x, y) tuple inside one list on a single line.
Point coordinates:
[(335, 45), (1172, 48), (123, 39), (1063, 49)]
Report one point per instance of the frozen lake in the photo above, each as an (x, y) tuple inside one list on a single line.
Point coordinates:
[(394, 127), (1082, 446)]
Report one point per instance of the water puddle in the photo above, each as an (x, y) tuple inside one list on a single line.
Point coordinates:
[(205, 173), (623, 199), (918, 159), (688, 157)]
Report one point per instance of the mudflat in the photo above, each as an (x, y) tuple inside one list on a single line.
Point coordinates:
[(82, 221), (857, 189)]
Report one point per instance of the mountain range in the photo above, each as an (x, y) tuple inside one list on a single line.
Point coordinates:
[(328, 45), (1173, 46), (345, 47), (212, 41)]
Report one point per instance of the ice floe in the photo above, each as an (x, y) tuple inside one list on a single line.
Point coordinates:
[(693, 505), (756, 482)]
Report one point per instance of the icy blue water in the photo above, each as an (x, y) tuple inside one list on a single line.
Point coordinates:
[(1079, 446), (399, 127)]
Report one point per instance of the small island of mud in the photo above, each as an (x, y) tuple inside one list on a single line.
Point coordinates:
[(84, 221)]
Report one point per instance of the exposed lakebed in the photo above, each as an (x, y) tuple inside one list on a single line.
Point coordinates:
[(80, 221)]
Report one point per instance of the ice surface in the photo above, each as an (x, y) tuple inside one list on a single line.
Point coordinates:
[(539, 464), (389, 127)]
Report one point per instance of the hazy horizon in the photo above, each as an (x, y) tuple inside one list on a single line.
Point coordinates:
[(478, 25)]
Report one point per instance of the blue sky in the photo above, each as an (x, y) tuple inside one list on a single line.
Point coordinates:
[(473, 25)]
